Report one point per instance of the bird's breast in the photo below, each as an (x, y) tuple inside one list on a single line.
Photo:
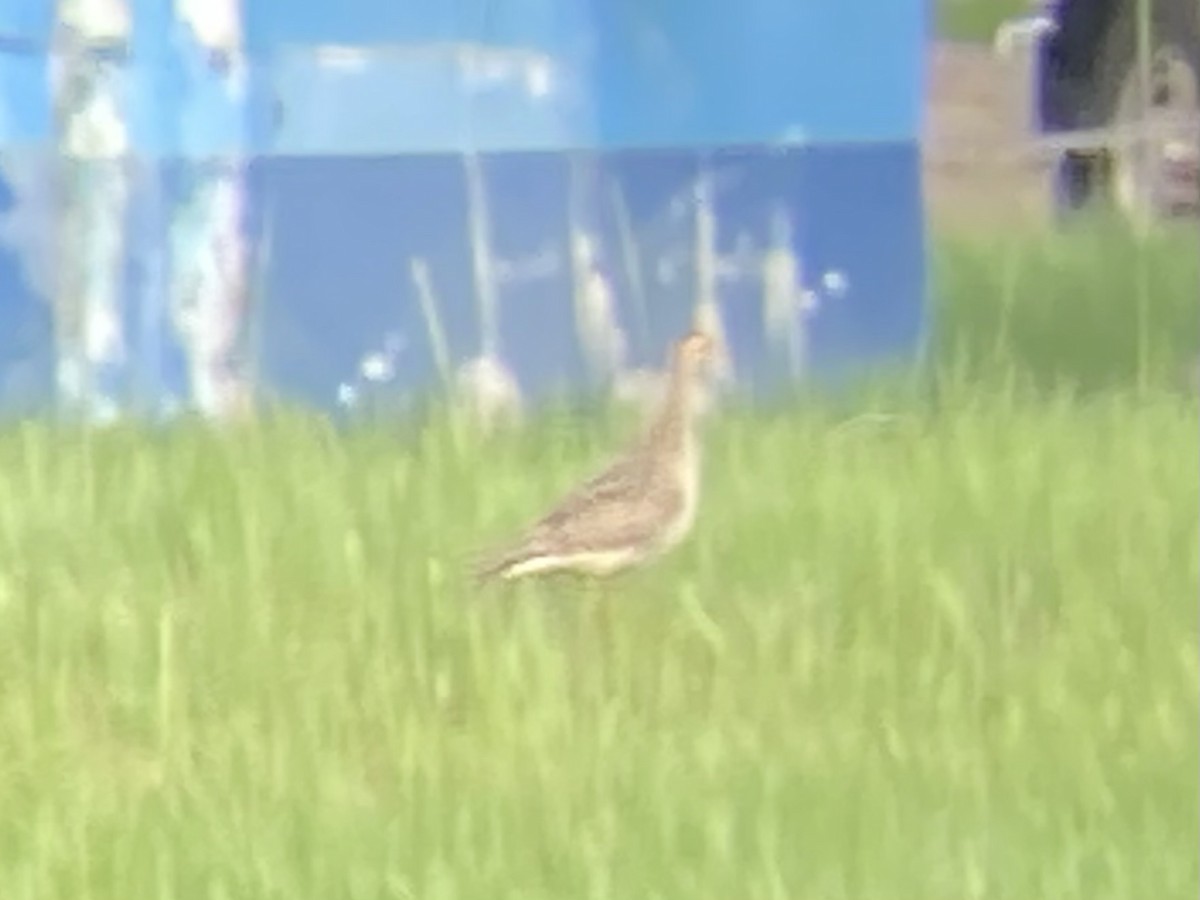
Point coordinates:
[(687, 483)]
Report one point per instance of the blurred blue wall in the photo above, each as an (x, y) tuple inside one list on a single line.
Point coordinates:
[(572, 175)]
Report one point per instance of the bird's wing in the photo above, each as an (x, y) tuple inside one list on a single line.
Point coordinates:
[(625, 504)]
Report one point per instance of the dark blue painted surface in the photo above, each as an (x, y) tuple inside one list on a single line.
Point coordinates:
[(26, 326)]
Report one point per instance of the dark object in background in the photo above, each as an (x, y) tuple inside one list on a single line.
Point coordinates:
[(1088, 78)]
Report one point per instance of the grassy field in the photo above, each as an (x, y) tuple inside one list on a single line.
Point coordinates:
[(976, 20), (945, 651)]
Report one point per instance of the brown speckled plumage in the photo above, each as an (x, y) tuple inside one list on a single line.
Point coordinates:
[(641, 505)]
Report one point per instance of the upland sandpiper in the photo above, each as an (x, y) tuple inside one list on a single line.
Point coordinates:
[(642, 505)]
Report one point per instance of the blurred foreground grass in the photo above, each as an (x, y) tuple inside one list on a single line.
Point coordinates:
[(945, 652)]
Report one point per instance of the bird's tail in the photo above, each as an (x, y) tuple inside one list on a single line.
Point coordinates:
[(486, 569), (489, 566), (503, 561)]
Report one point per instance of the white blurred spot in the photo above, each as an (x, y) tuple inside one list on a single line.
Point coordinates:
[(346, 395), (486, 67), (539, 77), (835, 283), (1177, 151), (780, 274), (216, 24), (207, 284), (1018, 35), (599, 331), (781, 283), (488, 391), (97, 130), (102, 334), (377, 367), (100, 21)]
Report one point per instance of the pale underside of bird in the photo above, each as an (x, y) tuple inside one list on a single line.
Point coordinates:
[(620, 517), (639, 507)]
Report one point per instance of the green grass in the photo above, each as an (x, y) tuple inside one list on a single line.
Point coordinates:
[(975, 20), (946, 652), (1086, 310)]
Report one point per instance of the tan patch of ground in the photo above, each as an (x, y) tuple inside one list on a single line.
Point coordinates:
[(979, 172)]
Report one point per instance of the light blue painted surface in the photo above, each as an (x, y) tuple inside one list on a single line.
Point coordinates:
[(25, 116), (26, 19), (628, 73), (25, 27), (594, 118), (713, 73)]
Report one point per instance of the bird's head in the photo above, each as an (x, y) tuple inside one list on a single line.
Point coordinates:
[(694, 365), (694, 352)]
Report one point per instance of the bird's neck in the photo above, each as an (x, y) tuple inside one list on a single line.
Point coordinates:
[(673, 426)]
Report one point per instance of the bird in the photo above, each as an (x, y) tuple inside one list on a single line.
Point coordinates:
[(640, 506)]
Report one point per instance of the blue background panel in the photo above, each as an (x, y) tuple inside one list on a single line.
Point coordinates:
[(601, 117), (343, 232)]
